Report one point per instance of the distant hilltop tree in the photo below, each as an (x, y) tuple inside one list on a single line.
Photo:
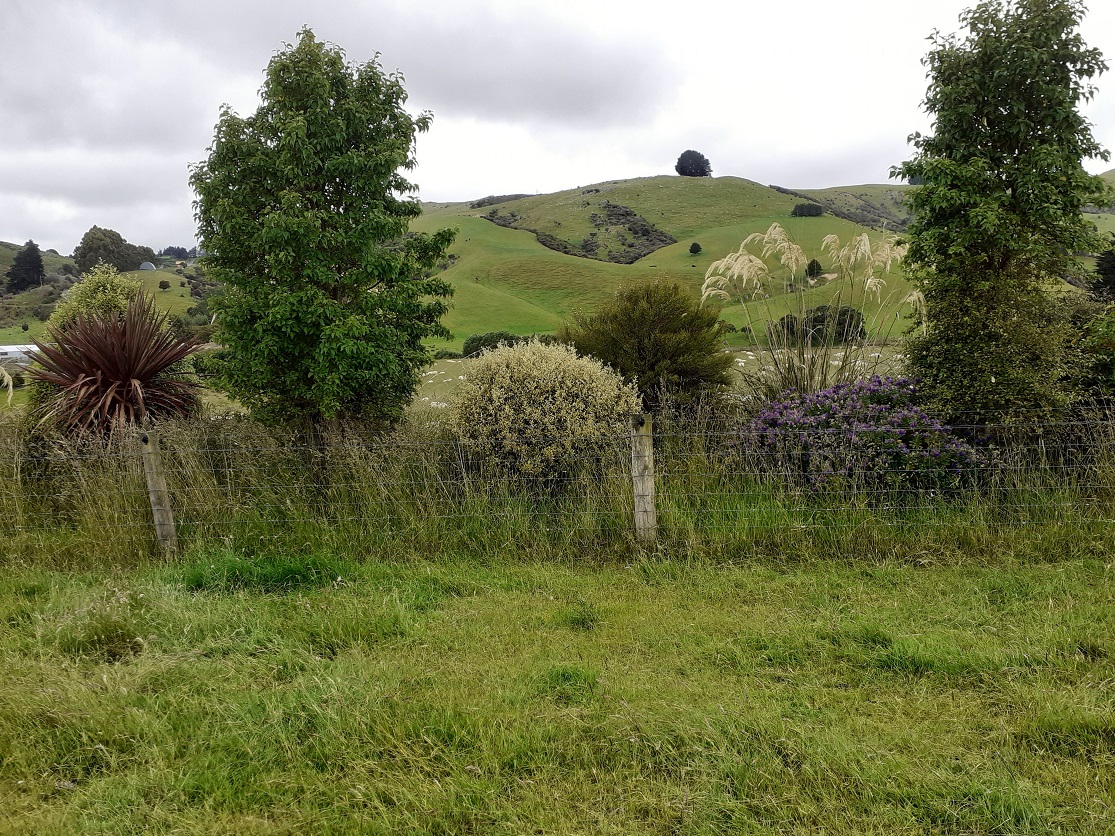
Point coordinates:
[(807, 210), (27, 269), (109, 246), (693, 164), (181, 253)]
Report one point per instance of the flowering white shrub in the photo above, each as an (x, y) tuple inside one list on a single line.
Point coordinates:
[(538, 411)]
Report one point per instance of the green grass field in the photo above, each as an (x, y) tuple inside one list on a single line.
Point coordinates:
[(313, 693)]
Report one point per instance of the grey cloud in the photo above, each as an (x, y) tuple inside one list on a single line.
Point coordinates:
[(458, 59), (97, 86)]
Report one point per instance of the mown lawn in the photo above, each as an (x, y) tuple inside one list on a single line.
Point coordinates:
[(281, 693)]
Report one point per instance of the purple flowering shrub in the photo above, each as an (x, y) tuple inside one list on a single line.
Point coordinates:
[(869, 435)]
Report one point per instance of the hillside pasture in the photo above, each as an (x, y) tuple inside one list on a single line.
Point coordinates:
[(504, 280)]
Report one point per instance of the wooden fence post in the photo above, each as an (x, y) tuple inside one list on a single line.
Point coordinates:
[(157, 492), (642, 479)]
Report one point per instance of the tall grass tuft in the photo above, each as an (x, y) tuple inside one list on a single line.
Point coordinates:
[(797, 352)]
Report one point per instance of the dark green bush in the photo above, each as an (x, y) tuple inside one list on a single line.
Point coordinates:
[(835, 325), (807, 210), (476, 343), (660, 338)]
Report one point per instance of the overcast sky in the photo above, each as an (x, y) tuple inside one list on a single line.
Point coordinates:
[(104, 103)]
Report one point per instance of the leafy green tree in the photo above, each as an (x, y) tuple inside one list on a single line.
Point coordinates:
[(26, 270), (997, 216), (693, 164), (302, 215), (694, 248), (657, 336), (109, 246), (814, 270)]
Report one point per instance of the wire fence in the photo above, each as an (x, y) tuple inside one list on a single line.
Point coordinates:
[(421, 486)]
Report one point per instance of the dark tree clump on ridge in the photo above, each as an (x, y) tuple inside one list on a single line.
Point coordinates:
[(693, 164), (807, 210), (109, 246)]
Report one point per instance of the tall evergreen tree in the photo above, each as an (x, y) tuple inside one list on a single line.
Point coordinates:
[(27, 269)]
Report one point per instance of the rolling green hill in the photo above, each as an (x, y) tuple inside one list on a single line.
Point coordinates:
[(505, 279), (876, 206)]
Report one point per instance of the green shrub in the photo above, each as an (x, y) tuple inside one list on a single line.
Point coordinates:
[(833, 324), (539, 411), (476, 343), (658, 337), (694, 248), (807, 210), (101, 291)]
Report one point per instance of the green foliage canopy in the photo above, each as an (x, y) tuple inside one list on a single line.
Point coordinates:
[(301, 215), (656, 335), (997, 217), (26, 270)]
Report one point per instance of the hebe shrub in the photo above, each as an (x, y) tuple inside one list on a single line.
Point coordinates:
[(539, 412), (869, 435)]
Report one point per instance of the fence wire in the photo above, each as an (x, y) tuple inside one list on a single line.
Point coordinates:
[(233, 478)]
